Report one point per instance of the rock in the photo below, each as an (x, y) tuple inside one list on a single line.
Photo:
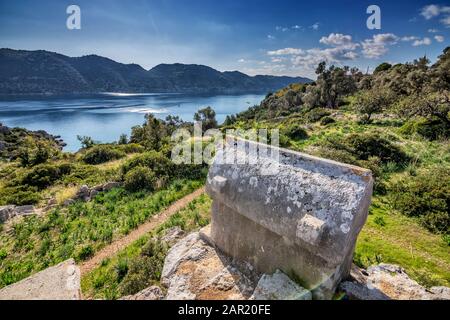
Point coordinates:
[(172, 235), (61, 282), (440, 293), (83, 193), (193, 269), (6, 213), (151, 293), (68, 202), (279, 287), (93, 193), (293, 212), (24, 210), (110, 185), (4, 130), (390, 282)]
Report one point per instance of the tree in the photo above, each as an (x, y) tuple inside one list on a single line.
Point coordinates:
[(370, 102), (86, 142), (382, 67), (334, 83), (151, 134), (430, 105), (123, 139), (207, 117)]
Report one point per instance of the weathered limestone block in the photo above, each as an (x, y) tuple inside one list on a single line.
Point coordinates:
[(388, 282), (279, 287), (194, 269), (61, 282), (296, 213)]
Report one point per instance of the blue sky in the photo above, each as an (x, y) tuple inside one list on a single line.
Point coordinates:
[(253, 36)]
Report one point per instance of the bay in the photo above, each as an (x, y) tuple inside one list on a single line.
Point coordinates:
[(104, 117)]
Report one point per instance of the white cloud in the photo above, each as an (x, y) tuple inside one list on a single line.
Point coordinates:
[(297, 27), (439, 38), (241, 60), (315, 26), (433, 30), (285, 52), (276, 59), (430, 11), (339, 40), (409, 38), (378, 45), (270, 37), (433, 10), (423, 42), (446, 21)]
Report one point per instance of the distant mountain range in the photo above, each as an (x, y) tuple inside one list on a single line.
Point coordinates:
[(43, 72)]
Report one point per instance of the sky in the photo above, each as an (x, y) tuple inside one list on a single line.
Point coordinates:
[(252, 36)]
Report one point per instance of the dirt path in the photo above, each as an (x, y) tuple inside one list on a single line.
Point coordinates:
[(148, 226)]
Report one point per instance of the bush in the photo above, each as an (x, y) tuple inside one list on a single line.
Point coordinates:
[(316, 114), (101, 154), (44, 175), (131, 148), (156, 161), (429, 129), (295, 132), (85, 253), (19, 196), (327, 120), (427, 196), (140, 178), (145, 269), (364, 146)]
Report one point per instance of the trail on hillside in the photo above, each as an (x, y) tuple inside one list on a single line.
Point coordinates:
[(134, 235)]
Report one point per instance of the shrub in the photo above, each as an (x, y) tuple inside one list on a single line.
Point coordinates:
[(364, 146), (19, 196), (327, 120), (44, 175), (85, 253), (295, 132), (146, 268), (101, 154), (140, 178), (131, 148), (316, 114), (429, 129), (426, 195), (156, 161)]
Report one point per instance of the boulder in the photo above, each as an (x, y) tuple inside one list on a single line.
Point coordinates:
[(279, 286), (389, 282), (194, 269), (24, 210), (6, 213), (83, 193), (151, 293), (280, 209), (110, 185), (172, 235), (61, 282)]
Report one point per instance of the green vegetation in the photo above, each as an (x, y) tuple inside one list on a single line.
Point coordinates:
[(140, 264), (81, 229)]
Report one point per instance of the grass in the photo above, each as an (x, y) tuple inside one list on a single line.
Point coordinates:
[(104, 282), (401, 240), (80, 230)]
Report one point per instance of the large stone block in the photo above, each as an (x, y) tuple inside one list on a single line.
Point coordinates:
[(294, 212), (61, 282)]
